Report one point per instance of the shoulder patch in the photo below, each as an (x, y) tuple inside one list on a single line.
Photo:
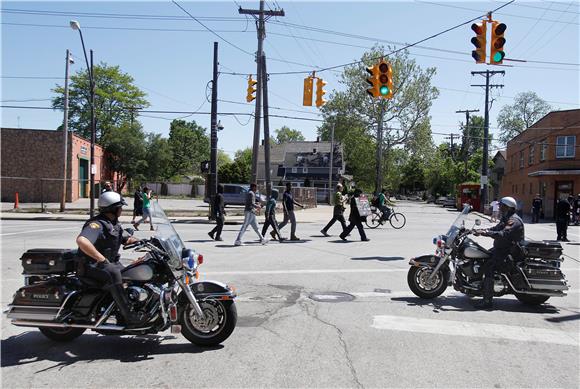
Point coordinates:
[(95, 225)]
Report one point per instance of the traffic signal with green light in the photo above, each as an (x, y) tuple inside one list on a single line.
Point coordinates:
[(308, 85), (251, 89), (479, 41), (385, 80), (320, 92), (497, 42), (373, 81)]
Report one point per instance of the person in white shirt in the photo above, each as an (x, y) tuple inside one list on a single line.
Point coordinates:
[(494, 210)]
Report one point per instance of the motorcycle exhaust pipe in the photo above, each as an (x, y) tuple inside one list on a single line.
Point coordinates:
[(108, 327), (540, 293)]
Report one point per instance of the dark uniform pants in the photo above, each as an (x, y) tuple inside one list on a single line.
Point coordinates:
[(107, 274), (562, 228), (536, 215), (217, 230), (496, 262)]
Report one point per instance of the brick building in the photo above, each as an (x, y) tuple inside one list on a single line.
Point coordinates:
[(544, 159), (32, 165)]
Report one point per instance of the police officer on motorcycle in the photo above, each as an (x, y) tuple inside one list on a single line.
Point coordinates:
[(506, 234), (99, 243)]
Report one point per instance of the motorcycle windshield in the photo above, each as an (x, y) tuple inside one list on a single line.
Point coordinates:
[(167, 235), (457, 225)]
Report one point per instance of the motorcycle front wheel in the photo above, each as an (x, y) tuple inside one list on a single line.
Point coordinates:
[(217, 325), (418, 280)]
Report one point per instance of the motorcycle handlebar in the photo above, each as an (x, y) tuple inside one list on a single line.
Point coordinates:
[(135, 245)]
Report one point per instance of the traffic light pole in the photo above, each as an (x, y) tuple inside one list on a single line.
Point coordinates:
[(379, 177), (214, 138), (266, 129), (485, 164), (466, 139), (65, 133), (261, 30)]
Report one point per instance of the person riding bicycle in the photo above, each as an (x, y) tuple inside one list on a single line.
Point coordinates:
[(384, 204)]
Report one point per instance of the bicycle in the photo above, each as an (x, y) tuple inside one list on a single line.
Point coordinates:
[(375, 219)]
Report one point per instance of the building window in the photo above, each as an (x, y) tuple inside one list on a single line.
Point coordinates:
[(531, 186), (522, 159), (565, 146), (531, 155), (543, 150)]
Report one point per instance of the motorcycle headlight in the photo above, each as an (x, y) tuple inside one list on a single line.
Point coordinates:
[(188, 259)]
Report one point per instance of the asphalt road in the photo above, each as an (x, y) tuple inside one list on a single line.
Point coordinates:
[(382, 336)]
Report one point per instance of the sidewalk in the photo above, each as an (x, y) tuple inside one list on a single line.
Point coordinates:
[(321, 214)]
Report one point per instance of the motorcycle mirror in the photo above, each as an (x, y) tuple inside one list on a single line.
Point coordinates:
[(130, 231), (477, 222)]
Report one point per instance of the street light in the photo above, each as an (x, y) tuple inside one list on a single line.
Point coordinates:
[(76, 26)]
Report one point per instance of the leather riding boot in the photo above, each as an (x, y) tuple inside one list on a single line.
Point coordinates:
[(486, 303), (120, 296)]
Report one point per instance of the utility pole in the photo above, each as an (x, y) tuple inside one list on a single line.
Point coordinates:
[(379, 177), (261, 30), (93, 141), (466, 138), (484, 165), (212, 187), (452, 146), (69, 60), (266, 129), (331, 163)]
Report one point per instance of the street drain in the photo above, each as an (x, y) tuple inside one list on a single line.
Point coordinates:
[(331, 297)]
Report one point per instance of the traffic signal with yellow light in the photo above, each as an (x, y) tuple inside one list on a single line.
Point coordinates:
[(497, 42), (251, 89), (373, 80), (320, 92), (308, 85), (385, 80), (479, 41)]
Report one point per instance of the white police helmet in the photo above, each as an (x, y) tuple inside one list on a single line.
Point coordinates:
[(110, 201), (509, 202)]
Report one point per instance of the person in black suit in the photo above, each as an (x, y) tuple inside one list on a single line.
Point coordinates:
[(354, 219), (562, 218), (219, 213)]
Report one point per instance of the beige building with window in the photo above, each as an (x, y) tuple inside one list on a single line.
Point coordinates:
[(544, 159)]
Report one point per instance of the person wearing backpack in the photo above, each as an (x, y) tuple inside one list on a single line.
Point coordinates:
[(338, 211)]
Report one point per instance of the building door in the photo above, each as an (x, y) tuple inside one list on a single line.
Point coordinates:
[(83, 177), (564, 189)]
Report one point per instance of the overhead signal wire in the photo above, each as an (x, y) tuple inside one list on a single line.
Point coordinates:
[(213, 32)]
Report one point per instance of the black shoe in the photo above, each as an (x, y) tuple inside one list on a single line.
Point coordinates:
[(294, 238), (342, 237), (484, 304), (324, 233), (219, 239), (365, 240), (211, 235), (132, 319)]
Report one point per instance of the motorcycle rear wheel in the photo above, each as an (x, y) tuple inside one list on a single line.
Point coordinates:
[(530, 299), (220, 322), (417, 280), (61, 334)]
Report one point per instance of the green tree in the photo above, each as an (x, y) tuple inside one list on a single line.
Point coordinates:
[(223, 158), (527, 109), (239, 171), (286, 134), (158, 157), (401, 116), (189, 147), (116, 100), (125, 146)]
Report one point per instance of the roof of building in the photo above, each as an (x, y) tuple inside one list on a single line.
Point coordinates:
[(501, 153)]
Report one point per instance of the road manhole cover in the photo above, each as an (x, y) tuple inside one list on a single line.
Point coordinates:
[(331, 297)]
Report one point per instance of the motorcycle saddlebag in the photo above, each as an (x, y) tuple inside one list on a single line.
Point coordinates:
[(48, 261), (48, 294), (542, 249)]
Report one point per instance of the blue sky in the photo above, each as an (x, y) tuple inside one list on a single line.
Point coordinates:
[(174, 67)]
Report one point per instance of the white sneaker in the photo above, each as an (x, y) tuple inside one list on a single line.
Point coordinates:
[(238, 243), (264, 241)]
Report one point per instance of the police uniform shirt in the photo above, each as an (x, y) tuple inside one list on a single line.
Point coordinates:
[(107, 236), (508, 231)]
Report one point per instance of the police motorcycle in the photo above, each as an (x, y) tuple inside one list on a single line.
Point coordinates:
[(458, 262), (164, 284)]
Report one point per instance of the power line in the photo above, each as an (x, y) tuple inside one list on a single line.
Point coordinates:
[(213, 32)]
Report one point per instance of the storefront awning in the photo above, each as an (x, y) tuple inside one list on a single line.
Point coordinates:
[(555, 172)]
